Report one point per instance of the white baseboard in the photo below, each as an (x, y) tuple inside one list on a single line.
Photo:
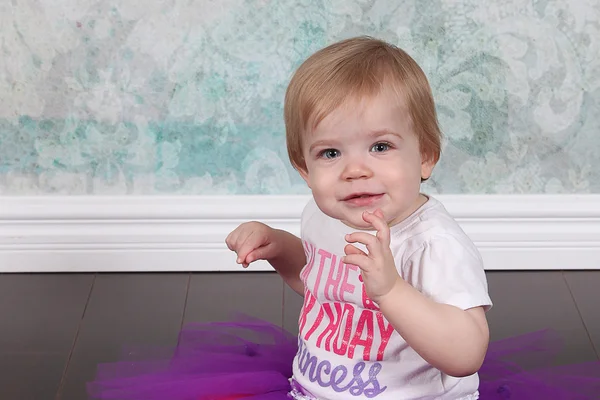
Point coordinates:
[(101, 234)]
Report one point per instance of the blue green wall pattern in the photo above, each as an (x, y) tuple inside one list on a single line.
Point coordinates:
[(185, 97)]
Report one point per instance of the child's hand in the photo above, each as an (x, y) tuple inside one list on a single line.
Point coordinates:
[(377, 268), (252, 241)]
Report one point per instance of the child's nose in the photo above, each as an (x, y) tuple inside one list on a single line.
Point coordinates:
[(356, 170)]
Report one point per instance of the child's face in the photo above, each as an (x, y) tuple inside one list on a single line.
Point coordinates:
[(364, 156)]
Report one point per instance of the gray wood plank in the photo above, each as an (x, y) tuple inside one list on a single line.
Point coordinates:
[(124, 310), (292, 304), (219, 296), (40, 315), (530, 301), (41, 312), (33, 376), (585, 288)]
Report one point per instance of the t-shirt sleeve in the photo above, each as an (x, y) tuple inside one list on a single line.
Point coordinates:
[(449, 271)]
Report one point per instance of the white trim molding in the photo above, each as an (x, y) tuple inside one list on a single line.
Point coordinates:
[(147, 233)]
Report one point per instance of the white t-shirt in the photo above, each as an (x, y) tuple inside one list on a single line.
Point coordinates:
[(347, 349)]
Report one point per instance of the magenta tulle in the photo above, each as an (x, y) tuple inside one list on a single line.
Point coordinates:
[(247, 359), (522, 367), (252, 359)]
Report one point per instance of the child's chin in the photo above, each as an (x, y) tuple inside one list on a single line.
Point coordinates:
[(359, 224)]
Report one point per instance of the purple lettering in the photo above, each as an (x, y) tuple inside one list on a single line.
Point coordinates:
[(323, 365), (321, 372)]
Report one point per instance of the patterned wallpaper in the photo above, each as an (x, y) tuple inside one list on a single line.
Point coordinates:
[(185, 97)]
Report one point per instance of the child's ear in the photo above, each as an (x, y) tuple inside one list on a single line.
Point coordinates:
[(303, 171), (304, 174), (427, 165)]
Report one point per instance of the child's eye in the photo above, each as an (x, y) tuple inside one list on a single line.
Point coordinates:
[(329, 153), (380, 147)]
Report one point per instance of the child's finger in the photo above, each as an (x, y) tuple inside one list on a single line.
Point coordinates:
[(360, 260), (375, 219), (378, 222), (361, 237), (350, 249), (379, 213), (243, 252), (231, 239), (258, 253), (365, 238)]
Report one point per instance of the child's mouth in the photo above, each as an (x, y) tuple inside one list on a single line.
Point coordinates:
[(362, 199)]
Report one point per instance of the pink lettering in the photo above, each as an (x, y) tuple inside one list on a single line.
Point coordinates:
[(365, 320), (385, 332), (332, 282), (324, 256), (309, 250), (315, 324), (349, 313), (345, 286), (309, 303), (332, 326)]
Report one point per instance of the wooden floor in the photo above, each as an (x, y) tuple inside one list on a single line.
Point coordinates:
[(57, 327)]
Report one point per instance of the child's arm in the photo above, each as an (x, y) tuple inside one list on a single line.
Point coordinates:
[(256, 241), (451, 339), (290, 260)]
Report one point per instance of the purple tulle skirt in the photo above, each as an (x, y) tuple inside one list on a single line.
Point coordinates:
[(252, 359)]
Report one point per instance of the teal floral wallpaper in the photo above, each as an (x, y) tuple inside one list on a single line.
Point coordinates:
[(184, 97)]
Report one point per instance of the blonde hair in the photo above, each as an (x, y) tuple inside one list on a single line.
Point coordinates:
[(358, 67)]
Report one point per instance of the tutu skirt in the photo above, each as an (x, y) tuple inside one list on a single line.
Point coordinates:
[(252, 359), (243, 359)]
